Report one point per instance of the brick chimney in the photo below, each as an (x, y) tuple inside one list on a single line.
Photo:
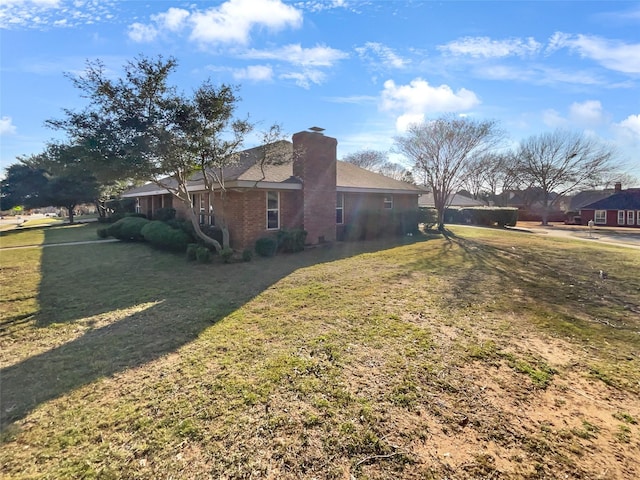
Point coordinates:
[(315, 157), (617, 187)]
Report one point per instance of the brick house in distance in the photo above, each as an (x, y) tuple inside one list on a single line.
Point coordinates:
[(311, 190), (621, 209)]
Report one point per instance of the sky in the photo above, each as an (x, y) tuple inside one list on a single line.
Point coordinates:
[(362, 70)]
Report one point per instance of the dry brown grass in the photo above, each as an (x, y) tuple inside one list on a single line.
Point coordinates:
[(487, 355)]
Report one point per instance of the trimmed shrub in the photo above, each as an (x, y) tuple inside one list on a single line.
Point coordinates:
[(203, 255), (247, 255), (192, 249), (291, 241), (266, 246), (103, 232), (488, 216), (226, 254), (128, 229), (162, 236), (164, 214)]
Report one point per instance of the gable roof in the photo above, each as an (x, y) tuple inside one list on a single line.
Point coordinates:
[(455, 200), (626, 200), (586, 197), (246, 173)]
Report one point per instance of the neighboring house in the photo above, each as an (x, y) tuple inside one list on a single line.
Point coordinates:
[(579, 200), (455, 200), (621, 209), (530, 204), (312, 190)]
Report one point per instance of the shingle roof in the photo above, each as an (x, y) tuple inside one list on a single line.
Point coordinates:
[(349, 177), (587, 197), (626, 200), (455, 200)]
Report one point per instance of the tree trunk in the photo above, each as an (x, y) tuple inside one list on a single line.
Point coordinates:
[(70, 209), (200, 234)]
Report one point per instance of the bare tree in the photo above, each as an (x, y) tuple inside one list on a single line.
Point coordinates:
[(367, 159), (441, 149), (561, 162)]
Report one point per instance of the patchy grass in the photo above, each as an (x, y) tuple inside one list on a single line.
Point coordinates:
[(473, 356), (79, 232)]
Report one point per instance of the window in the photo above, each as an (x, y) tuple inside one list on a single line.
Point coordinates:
[(137, 204), (340, 208), (600, 217), (388, 202), (273, 210), (630, 217), (638, 217), (620, 217)]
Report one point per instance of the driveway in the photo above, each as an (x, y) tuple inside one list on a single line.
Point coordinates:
[(622, 237)]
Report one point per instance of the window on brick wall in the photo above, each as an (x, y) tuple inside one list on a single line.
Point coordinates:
[(340, 208), (137, 205), (388, 202), (620, 217), (630, 217), (600, 217), (273, 210)]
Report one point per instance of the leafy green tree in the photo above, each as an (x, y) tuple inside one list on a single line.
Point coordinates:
[(150, 132), (23, 186)]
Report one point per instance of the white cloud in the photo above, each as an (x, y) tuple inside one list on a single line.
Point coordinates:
[(414, 101), (628, 130), (611, 54), (381, 55), (485, 47), (174, 19), (553, 118), (234, 20), (256, 73), (319, 56), (588, 113), (305, 78), (6, 126), (142, 33), (38, 14)]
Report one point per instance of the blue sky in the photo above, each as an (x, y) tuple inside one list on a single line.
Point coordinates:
[(363, 70)]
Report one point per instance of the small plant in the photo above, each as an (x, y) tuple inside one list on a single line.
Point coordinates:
[(291, 241), (623, 434), (226, 254), (192, 250), (625, 417), (247, 255), (203, 255), (266, 246)]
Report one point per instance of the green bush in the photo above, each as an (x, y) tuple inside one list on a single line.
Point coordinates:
[(128, 229), (266, 246), (226, 254), (290, 241), (103, 232), (212, 231), (164, 214), (162, 236), (247, 255), (192, 249), (203, 255), (488, 216)]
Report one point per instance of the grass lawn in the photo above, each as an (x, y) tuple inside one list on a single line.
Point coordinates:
[(489, 354)]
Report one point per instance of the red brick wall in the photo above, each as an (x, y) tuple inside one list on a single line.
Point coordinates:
[(315, 164)]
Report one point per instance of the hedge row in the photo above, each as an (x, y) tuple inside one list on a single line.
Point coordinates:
[(368, 225), (501, 216), (158, 234)]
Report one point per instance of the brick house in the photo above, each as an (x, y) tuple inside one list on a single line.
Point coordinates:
[(311, 189), (621, 209)]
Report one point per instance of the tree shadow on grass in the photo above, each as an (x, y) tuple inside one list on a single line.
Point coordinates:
[(177, 300)]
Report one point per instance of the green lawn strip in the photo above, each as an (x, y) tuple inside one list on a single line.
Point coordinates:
[(312, 363), (42, 235)]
